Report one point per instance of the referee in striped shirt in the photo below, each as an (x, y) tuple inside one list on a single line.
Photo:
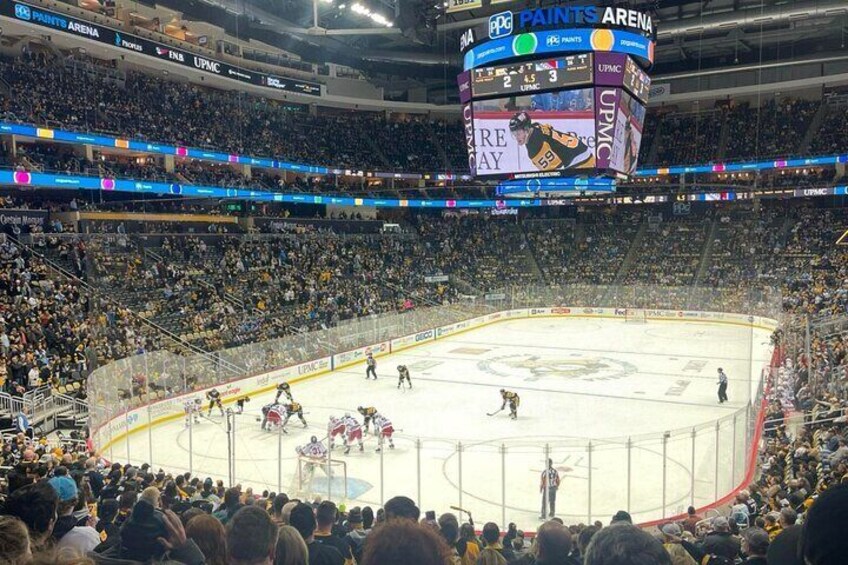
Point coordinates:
[(722, 386), (548, 488)]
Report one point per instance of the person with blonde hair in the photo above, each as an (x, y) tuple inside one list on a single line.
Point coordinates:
[(291, 549), (14, 541)]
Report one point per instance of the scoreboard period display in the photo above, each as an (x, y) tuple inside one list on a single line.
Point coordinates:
[(532, 76), (563, 100)]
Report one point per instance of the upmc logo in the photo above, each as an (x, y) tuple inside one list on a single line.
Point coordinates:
[(23, 12), (207, 65), (500, 25)]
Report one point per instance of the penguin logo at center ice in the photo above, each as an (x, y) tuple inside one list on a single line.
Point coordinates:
[(535, 367)]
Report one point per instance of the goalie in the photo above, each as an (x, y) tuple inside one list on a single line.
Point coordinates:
[(314, 449), (316, 453)]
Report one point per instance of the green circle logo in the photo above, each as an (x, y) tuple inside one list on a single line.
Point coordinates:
[(524, 44)]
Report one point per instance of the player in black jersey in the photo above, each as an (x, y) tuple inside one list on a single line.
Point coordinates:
[(371, 363), (214, 398), (513, 400), (240, 404), (283, 388), (293, 409), (367, 413), (403, 375), (547, 148)]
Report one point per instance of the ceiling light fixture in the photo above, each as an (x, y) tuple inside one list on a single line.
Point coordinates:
[(375, 17)]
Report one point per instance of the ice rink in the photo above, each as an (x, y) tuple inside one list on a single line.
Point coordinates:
[(586, 386)]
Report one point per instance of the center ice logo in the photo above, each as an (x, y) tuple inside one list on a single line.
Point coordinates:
[(533, 367)]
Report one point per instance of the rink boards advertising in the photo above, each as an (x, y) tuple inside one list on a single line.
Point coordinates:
[(123, 422), (62, 22)]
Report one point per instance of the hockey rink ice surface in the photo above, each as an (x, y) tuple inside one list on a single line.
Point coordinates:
[(579, 379)]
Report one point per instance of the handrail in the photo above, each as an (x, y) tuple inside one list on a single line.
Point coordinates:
[(108, 299)]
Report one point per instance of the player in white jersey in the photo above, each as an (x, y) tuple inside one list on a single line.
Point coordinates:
[(192, 407), (272, 416), (353, 431), (335, 427), (314, 449), (384, 430), (317, 455)]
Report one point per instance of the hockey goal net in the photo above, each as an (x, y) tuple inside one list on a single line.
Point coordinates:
[(635, 315), (320, 476)]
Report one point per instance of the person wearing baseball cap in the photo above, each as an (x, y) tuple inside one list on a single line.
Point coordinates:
[(671, 542), (720, 541), (66, 532)]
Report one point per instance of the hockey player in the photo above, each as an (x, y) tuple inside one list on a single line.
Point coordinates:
[(371, 366), (272, 416), (283, 388), (403, 374), (293, 408), (367, 413), (336, 427), (240, 404), (315, 451), (353, 431), (384, 430), (513, 400), (214, 398), (192, 408), (547, 148)]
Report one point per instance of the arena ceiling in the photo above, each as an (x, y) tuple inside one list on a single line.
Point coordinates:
[(409, 42)]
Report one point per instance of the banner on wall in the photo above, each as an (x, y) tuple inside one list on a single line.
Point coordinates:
[(462, 5), (62, 22)]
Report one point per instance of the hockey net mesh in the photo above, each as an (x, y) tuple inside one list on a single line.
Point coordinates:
[(327, 478)]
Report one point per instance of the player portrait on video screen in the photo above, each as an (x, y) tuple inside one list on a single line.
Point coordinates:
[(542, 132)]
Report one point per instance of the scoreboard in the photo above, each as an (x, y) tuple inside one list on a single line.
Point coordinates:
[(556, 92), (533, 76)]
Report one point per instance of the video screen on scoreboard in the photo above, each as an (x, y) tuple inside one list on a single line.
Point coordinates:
[(628, 134), (535, 135), (533, 76), (636, 80)]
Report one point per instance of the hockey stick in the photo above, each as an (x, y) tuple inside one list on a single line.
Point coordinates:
[(495, 412)]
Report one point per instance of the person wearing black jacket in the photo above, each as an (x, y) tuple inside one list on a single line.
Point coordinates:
[(755, 544), (720, 541)]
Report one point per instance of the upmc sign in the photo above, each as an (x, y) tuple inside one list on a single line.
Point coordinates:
[(61, 22), (609, 68), (606, 108)]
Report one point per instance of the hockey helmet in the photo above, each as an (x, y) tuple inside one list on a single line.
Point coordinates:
[(521, 120), (720, 370), (360, 408), (400, 367), (503, 391), (313, 439)]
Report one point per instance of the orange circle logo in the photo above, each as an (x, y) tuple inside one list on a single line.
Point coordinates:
[(602, 40)]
